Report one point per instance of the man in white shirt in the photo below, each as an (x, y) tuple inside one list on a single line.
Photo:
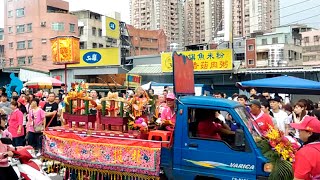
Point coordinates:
[(280, 116)]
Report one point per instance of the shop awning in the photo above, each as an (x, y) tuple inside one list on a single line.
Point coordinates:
[(147, 69), (283, 84), (279, 70)]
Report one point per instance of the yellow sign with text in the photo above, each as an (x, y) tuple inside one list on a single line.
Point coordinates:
[(98, 57), (206, 60), (112, 28)]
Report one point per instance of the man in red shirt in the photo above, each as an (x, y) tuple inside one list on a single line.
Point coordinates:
[(262, 121), (307, 160)]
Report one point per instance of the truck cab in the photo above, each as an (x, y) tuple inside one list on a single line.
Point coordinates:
[(232, 156)]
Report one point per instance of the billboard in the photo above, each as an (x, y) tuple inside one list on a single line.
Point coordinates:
[(98, 57), (206, 60), (110, 27)]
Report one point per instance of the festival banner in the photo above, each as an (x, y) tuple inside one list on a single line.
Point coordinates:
[(103, 154), (206, 60)]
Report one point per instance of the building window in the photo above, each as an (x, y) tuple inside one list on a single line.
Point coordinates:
[(20, 12), (100, 45), (21, 61), (80, 31), (21, 45), (1, 37), (10, 62), (94, 31), (275, 40), (251, 47), (43, 41), (264, 42), (94, 45), (100, 32), (11, 45), (10, 14), (29, 44), (72, 26), (29, 27), (44, 57), (29, 60), (20, 29), (316, 38), (10, 30), (306, 39), (57, 26), (250, 62), (82, 45)]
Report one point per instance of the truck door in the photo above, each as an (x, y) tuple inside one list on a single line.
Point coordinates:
[(209, 148)]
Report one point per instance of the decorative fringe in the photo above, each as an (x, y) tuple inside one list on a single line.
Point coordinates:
[(97, 174)]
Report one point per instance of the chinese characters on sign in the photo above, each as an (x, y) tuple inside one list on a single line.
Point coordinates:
[(207, 60)]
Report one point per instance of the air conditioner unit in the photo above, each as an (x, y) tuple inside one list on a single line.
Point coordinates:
[(43, 24)]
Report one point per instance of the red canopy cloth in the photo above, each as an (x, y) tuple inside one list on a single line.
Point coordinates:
[(105, 155)]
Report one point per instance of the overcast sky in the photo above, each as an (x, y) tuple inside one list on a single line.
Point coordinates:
[(122, 6)]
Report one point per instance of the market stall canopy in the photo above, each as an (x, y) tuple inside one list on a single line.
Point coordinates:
[(43, 82), (282, 84)]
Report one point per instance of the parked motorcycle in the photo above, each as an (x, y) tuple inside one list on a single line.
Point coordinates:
[(25, 163)]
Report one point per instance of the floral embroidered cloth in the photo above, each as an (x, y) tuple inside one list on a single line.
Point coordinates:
[(124, 155)]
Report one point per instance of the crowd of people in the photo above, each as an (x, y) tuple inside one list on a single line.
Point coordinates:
[(300, 120), (24, 117)]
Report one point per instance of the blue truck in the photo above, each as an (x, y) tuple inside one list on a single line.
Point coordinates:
[(234, 157)]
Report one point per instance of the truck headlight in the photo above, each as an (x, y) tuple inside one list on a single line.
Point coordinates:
[(268, 167)]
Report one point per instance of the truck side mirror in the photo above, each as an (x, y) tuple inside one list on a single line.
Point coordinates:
[(239, 138)]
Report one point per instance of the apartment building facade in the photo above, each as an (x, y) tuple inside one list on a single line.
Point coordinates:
[(29, 25), (203, 19), (160, 14), (311, 47), (90, 30), (264, 15), (146, 42), (2, 57)]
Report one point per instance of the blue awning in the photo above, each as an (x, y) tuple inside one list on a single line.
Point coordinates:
[(283, 84)]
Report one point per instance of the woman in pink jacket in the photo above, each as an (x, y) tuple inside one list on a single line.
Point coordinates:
[(36, 118), (16, 125), (6, 171)]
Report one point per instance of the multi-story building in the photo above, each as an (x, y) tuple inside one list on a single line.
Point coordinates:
[(203, 19), (146, 42), (90, 30), (2, 57), (264, 15), (29, 25), (279, 48), (311, 47), (155, 14)]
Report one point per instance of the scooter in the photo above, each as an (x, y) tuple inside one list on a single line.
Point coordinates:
[(25, 163)]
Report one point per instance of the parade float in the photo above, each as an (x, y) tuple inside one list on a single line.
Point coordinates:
[(113, 151)]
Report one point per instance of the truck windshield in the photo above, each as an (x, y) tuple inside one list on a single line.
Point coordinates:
[(247, 119)]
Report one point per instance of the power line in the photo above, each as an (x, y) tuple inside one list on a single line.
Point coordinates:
[(288, 14), (284, 7)]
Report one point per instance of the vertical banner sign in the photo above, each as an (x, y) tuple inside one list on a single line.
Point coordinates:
[(111, 27), (183, 74)]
